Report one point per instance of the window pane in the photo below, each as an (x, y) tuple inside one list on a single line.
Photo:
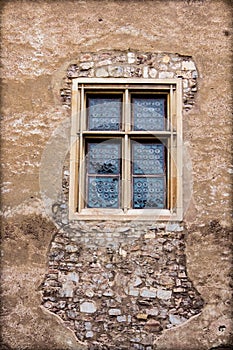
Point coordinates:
[(103, 192), (148, 158), (148, 113), (103, 158), (104, 112), (148, 175), (103, 166), (149, 192)]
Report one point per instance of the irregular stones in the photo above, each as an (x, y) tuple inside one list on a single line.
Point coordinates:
[(154, 311), (88, 307), (176, 319), (166, 59), (153, 325), (116, 282), (89, 334), (67, 290), (89, 293), (114, 312), (102, 73), (137, 282), (148, 293), (145, 73), (150, 235), (72, 248), (131, 57), (121, 318), (115, 71), (108, 293), (132, 65), (166, 75), (86, 65), (164, 294), (133, 292), (188, 65), (152, 73), (142, 316)]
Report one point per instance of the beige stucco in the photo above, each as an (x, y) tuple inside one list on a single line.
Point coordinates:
[(40, 39)]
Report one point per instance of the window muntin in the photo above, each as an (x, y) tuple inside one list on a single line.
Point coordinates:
[(166, 181)]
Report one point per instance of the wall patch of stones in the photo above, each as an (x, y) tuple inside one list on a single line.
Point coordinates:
[(134, 65), (117, 286)]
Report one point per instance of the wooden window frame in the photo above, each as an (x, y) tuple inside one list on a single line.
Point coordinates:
[(173, 135)]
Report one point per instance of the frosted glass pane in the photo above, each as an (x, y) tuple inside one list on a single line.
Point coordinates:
[(148, 113), (104, 112)]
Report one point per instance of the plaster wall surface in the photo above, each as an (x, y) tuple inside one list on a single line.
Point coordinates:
[(40, 40)]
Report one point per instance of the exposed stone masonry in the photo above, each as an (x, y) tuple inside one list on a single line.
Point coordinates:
[(120, 298), (117, 286), (134, 65)]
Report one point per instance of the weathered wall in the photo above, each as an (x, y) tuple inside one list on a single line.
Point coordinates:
[(40, 40)]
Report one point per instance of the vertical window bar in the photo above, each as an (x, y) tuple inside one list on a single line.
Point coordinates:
[(128, 127), (171, 150), (74, 161), (81, 151), (123, 157), (179, 146)]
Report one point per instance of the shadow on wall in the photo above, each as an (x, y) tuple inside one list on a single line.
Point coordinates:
[(223, 347)]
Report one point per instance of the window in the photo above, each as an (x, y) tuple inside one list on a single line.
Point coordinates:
[(126, 149)]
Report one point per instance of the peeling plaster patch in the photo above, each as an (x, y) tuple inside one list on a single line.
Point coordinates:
[(5, 186), (130, 30), (28, 207)]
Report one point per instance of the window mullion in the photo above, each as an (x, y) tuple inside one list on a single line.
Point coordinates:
[(126, 158), (179, 148), (171, 162)]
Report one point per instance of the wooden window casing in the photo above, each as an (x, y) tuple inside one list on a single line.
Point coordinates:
[(171, 136)]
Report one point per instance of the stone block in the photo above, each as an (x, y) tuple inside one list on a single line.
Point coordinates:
[(114, 312), (148, 293), (86, 65), (152, 73), (101, 73), (166, 75), (142, 316), (164, 294), (188, 65), (121, 318), (88, 307), (176, 319), (131, 57)]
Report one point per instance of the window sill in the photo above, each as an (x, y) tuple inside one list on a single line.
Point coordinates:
[(119, 215)]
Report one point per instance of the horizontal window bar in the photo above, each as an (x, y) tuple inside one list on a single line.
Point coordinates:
[(126, 81), (130, 133)]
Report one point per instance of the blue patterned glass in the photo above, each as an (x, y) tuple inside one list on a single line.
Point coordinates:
[(148, 158), (104, 112), (103, 158), (103, 192), (148, 113), (149, 192)]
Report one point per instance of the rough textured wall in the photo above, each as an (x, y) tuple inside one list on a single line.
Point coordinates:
[(40, 40)]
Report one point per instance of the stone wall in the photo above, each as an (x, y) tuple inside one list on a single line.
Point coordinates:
[(134, 65), (108, 285)]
